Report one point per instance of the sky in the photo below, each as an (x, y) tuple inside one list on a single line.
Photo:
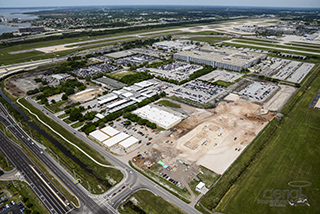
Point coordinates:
[(253, 3)]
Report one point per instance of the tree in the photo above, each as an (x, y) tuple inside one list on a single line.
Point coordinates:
[(53, 101), (75, 114), (64, 97)]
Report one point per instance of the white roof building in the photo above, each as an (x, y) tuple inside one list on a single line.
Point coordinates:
[(112, 105), (105, 99), (200, 186), (128, 142), (144, 84), (160, 117), (99, 136), (116, 139), (109, 131), (100, 116)]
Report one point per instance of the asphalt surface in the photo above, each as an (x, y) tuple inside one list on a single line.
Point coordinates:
[(53, 201), (134, 179), (48, 162)]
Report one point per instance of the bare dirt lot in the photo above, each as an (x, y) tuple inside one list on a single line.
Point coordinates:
[(86, 95), (214, 138)]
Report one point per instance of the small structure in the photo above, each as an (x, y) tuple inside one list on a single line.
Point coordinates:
[(200, 186), (110, 131), (99, 136), (115, 140), (128, 142)]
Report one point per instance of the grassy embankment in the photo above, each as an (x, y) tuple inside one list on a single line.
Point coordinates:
[(168, 103), (99, 171), (97, 183), (147, 202)]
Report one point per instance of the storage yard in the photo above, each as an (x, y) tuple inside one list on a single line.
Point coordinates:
[(283, 69), (196, 91), (93, 70), (258, 90), (178, 70), (223, 75)]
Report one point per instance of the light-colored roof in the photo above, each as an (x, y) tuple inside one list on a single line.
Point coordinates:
[(116, 103), (158, 116), (109, 131), (128, 142), (98, 135), (144, 84), (116, 139), (128, 94), (100, 116), (200, 185), (108, 99)]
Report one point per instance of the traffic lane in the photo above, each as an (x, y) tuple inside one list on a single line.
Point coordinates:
[(23, 164), (68, 182)]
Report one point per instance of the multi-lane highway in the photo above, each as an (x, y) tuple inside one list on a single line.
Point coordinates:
[(132, 177), (47, 193), (57, 170)]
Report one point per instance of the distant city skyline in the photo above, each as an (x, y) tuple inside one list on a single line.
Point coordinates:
[(247, 3)]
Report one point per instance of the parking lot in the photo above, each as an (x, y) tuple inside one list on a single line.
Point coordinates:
[(258, 90), (134, 60), (94, 70), (227, 76), (283, 69), (143, 133), (196, 91), (283, 73), (300, 73), (178, 70)]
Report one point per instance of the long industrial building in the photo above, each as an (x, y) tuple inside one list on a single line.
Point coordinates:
[(226, 58)]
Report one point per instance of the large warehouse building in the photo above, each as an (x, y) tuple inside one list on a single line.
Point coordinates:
[(160, 117), (230, 59)]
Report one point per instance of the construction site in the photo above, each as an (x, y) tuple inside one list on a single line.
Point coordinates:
[(213, 138)]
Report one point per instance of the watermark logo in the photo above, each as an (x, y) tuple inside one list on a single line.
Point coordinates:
[(291, 197)]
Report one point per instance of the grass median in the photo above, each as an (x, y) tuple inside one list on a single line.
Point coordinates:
[(53, 179), (144, 201)]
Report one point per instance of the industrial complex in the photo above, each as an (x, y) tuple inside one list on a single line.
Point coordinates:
[(226, 58)]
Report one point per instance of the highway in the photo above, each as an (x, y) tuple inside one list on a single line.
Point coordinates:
[(38, 182), (56, 169), (137, 180)]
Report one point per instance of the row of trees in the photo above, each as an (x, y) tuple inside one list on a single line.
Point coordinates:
[(90, 126), (139, 120)]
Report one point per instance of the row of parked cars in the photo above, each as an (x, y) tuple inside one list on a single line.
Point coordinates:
[(167, 177)]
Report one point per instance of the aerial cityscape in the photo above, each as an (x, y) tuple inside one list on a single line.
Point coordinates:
[(147, 107)]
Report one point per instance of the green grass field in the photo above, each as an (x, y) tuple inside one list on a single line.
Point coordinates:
[(309, 49), (119, 75), (149, 203), (290, 153), (54, 108), (210, 39), (4, 163), (168, 103)]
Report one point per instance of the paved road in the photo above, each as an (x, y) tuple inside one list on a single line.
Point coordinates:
[(134, 178), (56, 169), (47, 193)]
